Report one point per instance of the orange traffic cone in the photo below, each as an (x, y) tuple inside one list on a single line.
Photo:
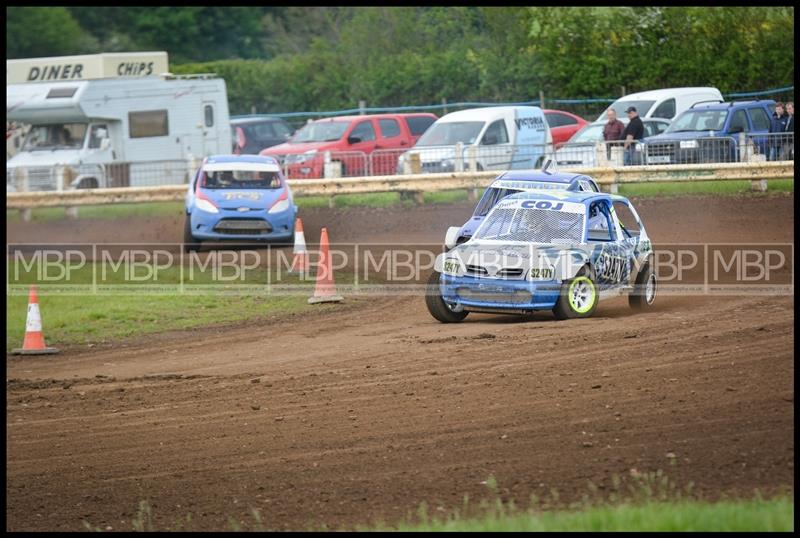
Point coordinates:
[(34, 339), (325, 290), (300, 262)]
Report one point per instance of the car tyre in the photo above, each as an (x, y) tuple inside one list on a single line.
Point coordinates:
[(644, 289), (190, 244), (436, 305), (578, 296)]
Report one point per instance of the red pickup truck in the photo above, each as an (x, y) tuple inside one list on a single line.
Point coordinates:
[(360, 145)]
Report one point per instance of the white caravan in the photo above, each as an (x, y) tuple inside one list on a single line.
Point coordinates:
[(134, 130), (491, 138), (666, 103)]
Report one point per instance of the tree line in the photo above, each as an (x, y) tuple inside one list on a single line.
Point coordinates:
[(282, 59)]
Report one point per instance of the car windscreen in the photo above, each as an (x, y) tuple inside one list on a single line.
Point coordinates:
[(590, 133), (530, 225), (324, 131), (450, 133), (699, 120), (642, 107), (240, 179), (55, 136)]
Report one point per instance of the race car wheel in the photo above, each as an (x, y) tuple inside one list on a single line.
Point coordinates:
[(436, 305), (644, 290), (190, 244), (578, 296)]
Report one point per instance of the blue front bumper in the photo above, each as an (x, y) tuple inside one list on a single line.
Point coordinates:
[(499, 294), (278, 227)]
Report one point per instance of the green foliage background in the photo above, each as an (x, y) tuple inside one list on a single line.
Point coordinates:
[(282, 59)]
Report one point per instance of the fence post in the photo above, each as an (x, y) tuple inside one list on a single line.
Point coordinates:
[(444, 105), (472, 158), (541, 99), (601, 155), (458, 159), (624, 93), (414, 163), (253, 109), (362, 105)]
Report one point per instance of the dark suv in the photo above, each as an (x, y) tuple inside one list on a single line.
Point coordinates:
[(251, 134), (710, 133)]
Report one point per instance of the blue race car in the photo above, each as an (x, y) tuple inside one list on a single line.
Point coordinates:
[(516, 181), (239, 197), (559, 250)]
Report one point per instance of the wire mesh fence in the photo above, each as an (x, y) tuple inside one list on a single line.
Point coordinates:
[(744, 147)]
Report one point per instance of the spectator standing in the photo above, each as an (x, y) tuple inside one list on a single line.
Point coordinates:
[(788, 147), (612, 130), (632, 133), (776, 129)]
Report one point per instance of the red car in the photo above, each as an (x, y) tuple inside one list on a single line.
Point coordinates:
[(359, 145), (563, 125)]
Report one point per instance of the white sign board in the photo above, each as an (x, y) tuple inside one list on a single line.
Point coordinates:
[(85, 67)]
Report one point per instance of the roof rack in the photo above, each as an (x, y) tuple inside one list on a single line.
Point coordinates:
[(198, 76)]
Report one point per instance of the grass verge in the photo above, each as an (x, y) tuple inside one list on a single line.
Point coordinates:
[(750, 515), (679, 188), (82, 317)]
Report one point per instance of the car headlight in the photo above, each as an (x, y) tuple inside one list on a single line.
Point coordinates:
[(451, 267), (546, 272), (299, 159), (688, 144), (280, 205), (206, 205)]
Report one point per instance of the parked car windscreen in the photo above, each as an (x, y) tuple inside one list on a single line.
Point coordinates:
[(451, 132), (326, 131), (591, 133), (55, 136), (699, 120), (240, 179), (642, 107)]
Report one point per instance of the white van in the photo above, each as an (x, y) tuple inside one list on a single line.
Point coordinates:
[(491, 138), (666, 103), (115, 132)]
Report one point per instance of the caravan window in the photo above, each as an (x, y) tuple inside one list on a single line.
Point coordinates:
[(209, 110), (148, 123), (55, 136)]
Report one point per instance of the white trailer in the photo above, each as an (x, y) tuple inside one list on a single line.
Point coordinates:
[(132, 130)]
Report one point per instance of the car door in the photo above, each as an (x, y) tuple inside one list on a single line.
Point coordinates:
[(760, 122), (609, 259), (360, 144), (495, 150), (391, 142)]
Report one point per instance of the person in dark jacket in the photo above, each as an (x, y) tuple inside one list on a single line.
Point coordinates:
[(787, 153), (633, 131), (776, 129)]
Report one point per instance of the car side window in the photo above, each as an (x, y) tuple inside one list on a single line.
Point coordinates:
[(419, 124), (759, 118), (665, 109), (495, 134), (554, 119), (738, 122), (626, 219), (389, 128), (652, 128), (364, 131), (600, 225), (281, 129)]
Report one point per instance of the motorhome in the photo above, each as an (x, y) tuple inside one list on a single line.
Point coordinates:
[(490, 138), (121, 121)]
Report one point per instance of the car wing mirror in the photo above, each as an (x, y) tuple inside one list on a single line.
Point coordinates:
[(105, 143), (353, 139)]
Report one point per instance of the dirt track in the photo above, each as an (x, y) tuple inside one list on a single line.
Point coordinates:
[(364, 411)]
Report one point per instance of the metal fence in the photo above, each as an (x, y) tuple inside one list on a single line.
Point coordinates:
[(89, 176), (745, 147)]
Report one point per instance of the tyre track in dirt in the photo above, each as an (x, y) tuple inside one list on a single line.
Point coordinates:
[(383, 408)]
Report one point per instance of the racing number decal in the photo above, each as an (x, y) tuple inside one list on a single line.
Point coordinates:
[(612, 267)]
